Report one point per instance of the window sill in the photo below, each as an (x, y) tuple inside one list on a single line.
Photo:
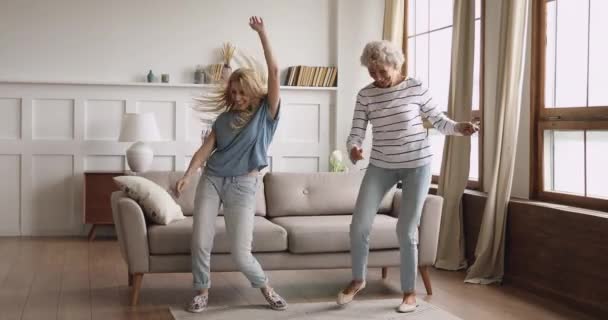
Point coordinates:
[(544, 204)]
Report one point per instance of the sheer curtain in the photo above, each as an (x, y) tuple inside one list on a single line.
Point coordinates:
[(457, 150), (489, 253)]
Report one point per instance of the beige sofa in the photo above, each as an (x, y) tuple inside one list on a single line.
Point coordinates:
[(302, 222)]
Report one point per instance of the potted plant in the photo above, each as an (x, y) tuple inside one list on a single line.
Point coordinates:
[(336, 163)]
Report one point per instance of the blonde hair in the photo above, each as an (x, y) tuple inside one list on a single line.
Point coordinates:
[(221, 101), (382, 52)]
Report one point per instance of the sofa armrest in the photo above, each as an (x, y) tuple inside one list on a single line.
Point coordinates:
[(428, 230), (132, 232)]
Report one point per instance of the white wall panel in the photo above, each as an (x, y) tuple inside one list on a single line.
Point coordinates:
[(162, 163), (70, 128), (300, 164), (165, 116), (10, 191), (51, 210), (10, 121), (300, 123), (53, 119), (194, 124), (103, 119), (104, 163)]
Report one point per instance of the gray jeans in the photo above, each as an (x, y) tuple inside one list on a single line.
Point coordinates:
[(237, 194), (376, 183)]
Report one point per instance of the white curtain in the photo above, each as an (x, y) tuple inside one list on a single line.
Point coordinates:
[(456, 151), (489, 253)]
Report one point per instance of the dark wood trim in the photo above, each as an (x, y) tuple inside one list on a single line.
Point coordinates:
[(564, 198), (576, 109), (471, 184), (574, 114), (555, 118), (554, 251), (572, 125), (474, 185), (574, 200), (537, 96), (540, 156)]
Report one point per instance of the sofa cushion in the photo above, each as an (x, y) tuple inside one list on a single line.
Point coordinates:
[(175, 238), (308, 194), (158, 206), (168, 179), (320, 234)]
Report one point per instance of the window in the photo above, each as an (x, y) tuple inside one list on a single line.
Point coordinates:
[(429, 47), (570, 103)]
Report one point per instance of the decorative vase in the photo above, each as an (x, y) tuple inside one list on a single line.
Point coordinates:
[(199, 76), (150, 76), (226, 72), (164, 78)]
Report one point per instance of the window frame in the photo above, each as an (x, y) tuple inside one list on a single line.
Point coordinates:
[(555, 118), (476, 115)]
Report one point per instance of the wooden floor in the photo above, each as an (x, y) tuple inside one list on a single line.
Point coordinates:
[(71, 278)]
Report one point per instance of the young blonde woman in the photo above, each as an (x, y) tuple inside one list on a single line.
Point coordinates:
[(235, 151), (395, 106)]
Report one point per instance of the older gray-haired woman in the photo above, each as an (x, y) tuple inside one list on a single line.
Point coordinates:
[(395, 106)]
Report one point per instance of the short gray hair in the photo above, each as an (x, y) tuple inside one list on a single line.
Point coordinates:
[(382, 52)]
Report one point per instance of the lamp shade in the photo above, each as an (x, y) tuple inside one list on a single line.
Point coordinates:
[(138, 127)]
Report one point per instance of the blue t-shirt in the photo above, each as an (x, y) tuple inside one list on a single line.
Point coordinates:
[(239, 151)]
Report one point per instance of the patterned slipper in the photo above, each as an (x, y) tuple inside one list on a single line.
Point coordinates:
[(275, 301), (198, 303)]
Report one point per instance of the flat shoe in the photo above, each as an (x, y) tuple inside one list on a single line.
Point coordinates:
[(405, 307), (344, 298)]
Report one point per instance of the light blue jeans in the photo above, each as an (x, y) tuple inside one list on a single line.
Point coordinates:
[(237, 194), (376, 183)]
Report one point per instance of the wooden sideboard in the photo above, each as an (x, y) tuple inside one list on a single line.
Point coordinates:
[(98, 187)]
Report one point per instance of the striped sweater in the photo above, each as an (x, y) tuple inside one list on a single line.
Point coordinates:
[(396, 113)]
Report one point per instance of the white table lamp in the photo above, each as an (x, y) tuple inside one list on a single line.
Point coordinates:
[(138, 128)]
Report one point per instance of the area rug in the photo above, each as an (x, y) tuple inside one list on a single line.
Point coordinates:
[(379, 309)]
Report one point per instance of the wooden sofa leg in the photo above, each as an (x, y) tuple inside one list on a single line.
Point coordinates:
[(426, 278), (130, 279), (137, 278), (384, 272)]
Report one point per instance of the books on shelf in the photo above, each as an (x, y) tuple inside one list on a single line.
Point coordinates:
[(306, 76)]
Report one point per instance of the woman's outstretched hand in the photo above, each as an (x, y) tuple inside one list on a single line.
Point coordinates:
[(256, 23), (180, 185), (466, 128)]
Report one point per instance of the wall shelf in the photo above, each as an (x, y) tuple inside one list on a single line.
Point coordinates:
[(143, 84)]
